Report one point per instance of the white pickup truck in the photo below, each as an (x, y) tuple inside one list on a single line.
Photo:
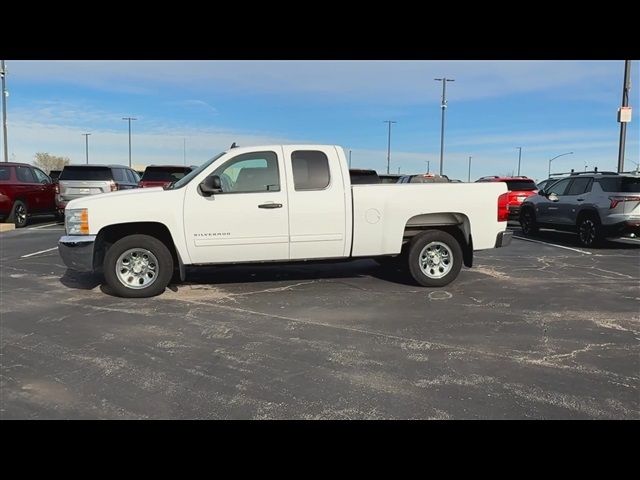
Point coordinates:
[(280, 203)]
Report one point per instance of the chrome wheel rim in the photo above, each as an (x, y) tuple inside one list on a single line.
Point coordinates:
[(21, 214), (436, 260), (137, 268), (587, 232)]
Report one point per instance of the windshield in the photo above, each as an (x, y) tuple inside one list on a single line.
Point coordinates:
[(164, 174), (194, 173)]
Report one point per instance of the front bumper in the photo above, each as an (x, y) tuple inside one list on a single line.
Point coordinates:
[(504, 238), (77, 251)]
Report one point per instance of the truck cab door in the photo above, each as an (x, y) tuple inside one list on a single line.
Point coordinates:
[(318, 203), (247, 220)]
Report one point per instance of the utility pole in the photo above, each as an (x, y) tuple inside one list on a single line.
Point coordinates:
[(443, 105), (398, 170), (184, 151), (428, 162), (349, 158), (469, 175), (129, 119), (389, 144), (86, 139), (3, 73), (519, 158), (626, 87)]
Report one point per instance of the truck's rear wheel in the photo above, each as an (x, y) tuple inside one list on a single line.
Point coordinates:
[(435, 258), (138, 266)]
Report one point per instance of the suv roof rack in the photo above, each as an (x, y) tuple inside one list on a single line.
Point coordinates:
[(595, 170)]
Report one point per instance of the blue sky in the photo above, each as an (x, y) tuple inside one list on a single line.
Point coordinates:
[(546, 107)]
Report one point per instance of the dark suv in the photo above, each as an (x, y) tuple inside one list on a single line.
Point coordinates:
[(78, 181), (594, 204), (25, 191)]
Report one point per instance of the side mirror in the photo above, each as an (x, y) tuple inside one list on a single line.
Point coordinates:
[(211, 185), (553, 197)]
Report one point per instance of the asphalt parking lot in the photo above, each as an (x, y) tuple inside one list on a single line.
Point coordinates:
[(540, 329)]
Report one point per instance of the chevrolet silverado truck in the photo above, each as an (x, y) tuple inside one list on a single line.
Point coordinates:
[(283, 203)]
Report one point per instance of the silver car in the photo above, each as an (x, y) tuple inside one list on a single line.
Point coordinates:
[(78, 181), (595, 205)]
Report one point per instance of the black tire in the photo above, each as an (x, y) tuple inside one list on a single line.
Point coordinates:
[(528, 222), (416, 247), (146, 242), (589, 231), (19, 215)]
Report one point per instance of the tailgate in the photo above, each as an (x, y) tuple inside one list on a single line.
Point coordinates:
[(70, 189)]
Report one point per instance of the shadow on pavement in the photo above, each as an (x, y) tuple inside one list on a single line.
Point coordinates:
[(569, 239)]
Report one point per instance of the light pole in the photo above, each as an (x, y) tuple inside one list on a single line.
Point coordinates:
[(443, 105), (3, 73), (86, 141), (184, 151), (129, 119), (469, 175), (626, 86), (428, 165), (389, 144), (519, 158), (557, 156), (349, 158)]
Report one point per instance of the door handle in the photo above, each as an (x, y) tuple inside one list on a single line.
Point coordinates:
[(270, 205), (580, 199)]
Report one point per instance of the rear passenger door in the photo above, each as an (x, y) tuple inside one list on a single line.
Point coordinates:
[(28, 188), (317, 203), (47, 194), (573, 200)]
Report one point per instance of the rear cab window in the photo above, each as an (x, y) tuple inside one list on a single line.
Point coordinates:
[(86, 173), (310, 170)]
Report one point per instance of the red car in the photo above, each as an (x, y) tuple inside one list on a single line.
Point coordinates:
[(519, 189), (25, 191), (162, 175)]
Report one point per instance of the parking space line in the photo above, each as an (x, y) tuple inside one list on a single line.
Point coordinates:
[(43, 226), (38, 253), (553, 245)]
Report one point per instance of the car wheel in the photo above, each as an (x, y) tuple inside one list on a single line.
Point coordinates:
[(138, 266), (528, 222), (589, 231), (19, 214), (435, 258)]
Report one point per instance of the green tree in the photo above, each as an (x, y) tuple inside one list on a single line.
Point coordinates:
[(48, 162)]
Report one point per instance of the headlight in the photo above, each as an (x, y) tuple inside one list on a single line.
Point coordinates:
[(76, 221)]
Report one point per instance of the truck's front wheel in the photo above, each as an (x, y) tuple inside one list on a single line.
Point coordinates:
[(138, 266), (435, 258)]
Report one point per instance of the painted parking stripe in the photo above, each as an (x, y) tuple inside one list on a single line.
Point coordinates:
[(43, 226), (553, 245), (38, 253)]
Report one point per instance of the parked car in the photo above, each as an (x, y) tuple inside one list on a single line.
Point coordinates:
[(361, 176), (283, 203), (162, 175), (54, 175), (519, 188), (389, 177), (78, 181), (424, 178), (25, 191), (595, 205)]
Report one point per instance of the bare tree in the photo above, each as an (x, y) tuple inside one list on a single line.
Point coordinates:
[(48, 162)]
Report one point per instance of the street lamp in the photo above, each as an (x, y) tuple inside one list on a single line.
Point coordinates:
[(86, 138), (389, 144), (557, 156), (469, 175), (129, 119), (519, 158), (443, 105)]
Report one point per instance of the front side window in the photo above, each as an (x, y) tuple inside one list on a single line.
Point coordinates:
[(559, 187), (25, 175), (311, 170), (250, 172), (580, 186), (40, 175)]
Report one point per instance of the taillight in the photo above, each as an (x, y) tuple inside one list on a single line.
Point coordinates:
[(616, 200), (113, 186), (503, 209)]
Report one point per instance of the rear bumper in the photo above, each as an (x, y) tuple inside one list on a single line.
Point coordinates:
[(77, 251), (624, 228), (504, 238)]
